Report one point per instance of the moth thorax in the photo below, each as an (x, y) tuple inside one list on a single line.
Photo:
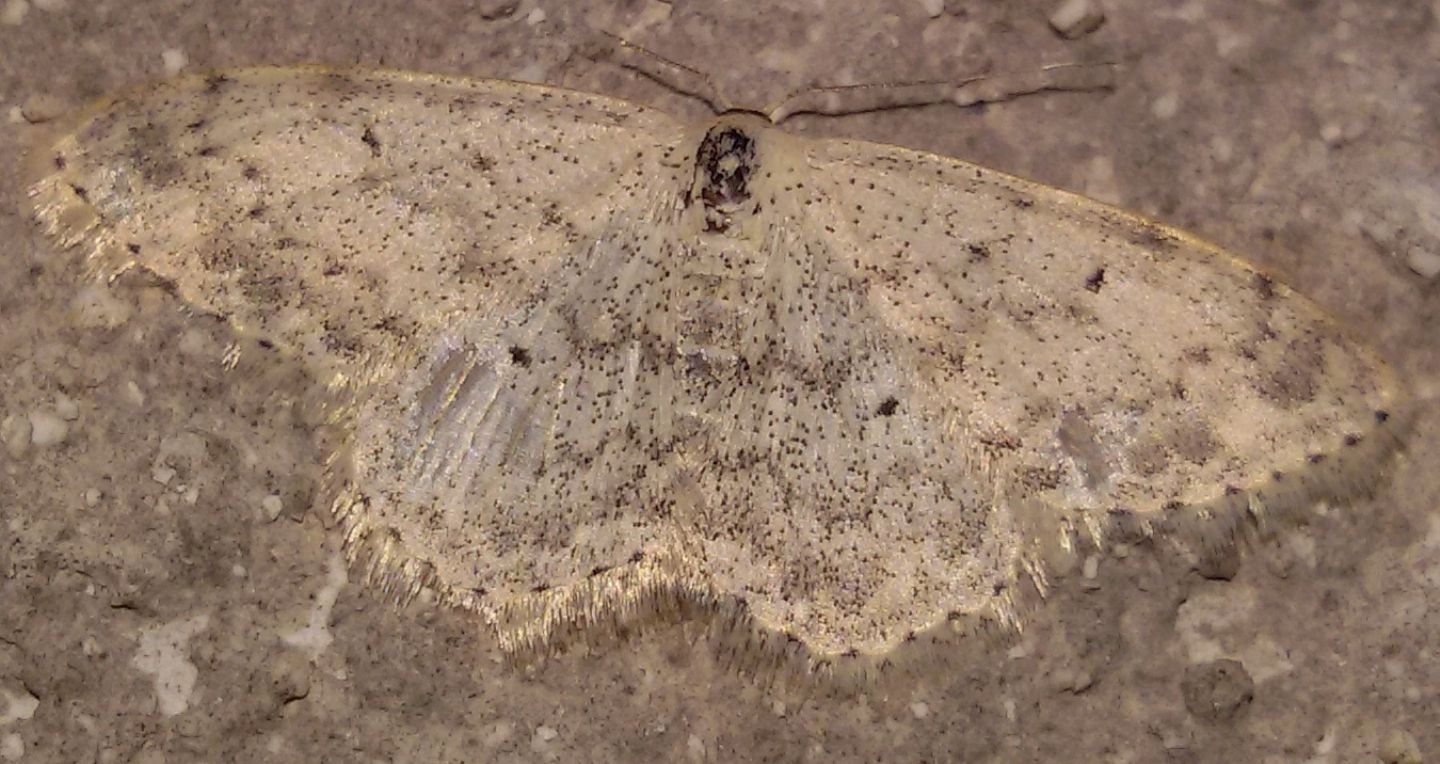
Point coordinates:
[(724, 168)]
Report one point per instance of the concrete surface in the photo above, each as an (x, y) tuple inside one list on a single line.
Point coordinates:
[(167, 594)]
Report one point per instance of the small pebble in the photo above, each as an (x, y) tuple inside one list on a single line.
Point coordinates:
[(133, 394), (1423, 261), (14, 12), (1076, 18), (289, 677), (1400, 747), (542, 737), (91, 648), (272, 505), (47, 428), (43, 107), (15, 432), (497, 9), (933, 8), (1072, 680), (920, 709), (536, 16), (12, 747), (173, 59), (17, 708), (162, 474), (92, 497), (1166, 106), (66, 408), (1219, 564), (1216, 690)]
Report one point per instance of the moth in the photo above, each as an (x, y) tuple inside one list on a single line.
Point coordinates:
[(597, 366)]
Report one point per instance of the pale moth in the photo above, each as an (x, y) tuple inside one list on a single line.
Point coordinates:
[(597, 366)]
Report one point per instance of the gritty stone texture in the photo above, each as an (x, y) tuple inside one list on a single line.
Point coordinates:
[(1243, 161)]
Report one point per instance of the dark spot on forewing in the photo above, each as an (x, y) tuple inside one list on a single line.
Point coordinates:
[(1154, 238), (1037, 478), (1095, 280), (368, 138), (1198, 355), (215, 83), (1264, 286), (152, 153), (1194, 442), (1293, 375)]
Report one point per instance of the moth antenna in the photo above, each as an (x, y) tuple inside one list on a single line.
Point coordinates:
[(672, 75), (985, 88)]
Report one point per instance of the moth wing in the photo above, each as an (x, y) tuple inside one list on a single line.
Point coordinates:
[(340, 214), (399, 234), (1112, 364), (1010, 367)]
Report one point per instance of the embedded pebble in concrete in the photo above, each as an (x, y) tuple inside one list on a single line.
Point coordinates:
[(164, 655), (1400, 747), (13, 13), (272, 505), (174, 60), (1218, 621), (933, 8), (1166, 106), (19, 706), (15, 432), (1216, 690), (1423, 261), (1076, 18), (315, 637), (541, 741), (12, 747), (593, 363), (47, 428)]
